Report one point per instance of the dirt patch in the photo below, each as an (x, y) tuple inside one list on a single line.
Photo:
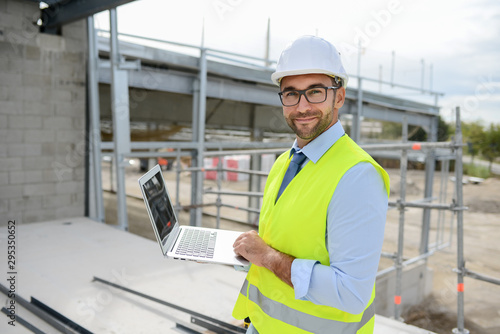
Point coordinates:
[(481, 205), (436, 318), (412, 187), (483, 197)]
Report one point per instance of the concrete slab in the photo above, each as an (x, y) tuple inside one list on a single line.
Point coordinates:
[(385, 325), (57, 260)]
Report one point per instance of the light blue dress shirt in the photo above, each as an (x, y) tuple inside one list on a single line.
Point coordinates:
[(354, 236)]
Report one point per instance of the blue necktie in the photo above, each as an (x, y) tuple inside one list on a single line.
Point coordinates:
[(293, 169)]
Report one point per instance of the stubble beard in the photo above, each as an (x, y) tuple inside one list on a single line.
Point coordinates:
[(306, 133), (324, 123)]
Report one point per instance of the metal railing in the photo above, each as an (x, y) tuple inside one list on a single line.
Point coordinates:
[(231, 57)]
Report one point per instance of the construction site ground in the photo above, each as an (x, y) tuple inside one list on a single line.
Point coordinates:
[(438, 312)]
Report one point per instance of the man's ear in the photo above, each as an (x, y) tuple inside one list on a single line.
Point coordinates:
[(339, 98)]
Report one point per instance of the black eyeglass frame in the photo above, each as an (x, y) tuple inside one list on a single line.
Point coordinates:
[(303, 92)]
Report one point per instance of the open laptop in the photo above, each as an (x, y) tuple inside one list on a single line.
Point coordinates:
[(184, 242)]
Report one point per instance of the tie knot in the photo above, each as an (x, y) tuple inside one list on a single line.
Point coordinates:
[(298, 158)]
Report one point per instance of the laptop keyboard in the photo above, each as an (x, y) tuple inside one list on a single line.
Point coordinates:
[(197, 243)]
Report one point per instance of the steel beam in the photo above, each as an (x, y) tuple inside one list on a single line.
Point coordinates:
[(224, 88), (249, 85), (182, 82), (156, 56), (58, 13)]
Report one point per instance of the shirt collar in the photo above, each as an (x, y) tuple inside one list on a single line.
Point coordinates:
[(315, 149)]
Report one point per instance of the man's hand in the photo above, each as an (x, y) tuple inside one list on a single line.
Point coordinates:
[(254, 249)]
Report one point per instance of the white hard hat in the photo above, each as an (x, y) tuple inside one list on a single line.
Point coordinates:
[(307, 55)]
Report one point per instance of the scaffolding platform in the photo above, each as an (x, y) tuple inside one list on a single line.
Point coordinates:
[(56, 262)]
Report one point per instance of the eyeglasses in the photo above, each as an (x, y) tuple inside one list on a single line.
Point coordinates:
[(290, 98)]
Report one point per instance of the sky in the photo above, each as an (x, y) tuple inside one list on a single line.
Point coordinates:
[(455, 44)]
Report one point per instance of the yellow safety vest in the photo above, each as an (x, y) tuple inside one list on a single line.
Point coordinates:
[(296, 225)]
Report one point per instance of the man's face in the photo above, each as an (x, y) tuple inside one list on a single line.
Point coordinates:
[(309, 120)]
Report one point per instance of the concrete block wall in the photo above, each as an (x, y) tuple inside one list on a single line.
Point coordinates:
[(416, 285), (42, 117)]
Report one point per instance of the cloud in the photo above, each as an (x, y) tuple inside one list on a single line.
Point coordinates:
[(482, 107)]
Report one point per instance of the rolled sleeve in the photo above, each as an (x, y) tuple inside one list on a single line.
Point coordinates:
[(301, 277)]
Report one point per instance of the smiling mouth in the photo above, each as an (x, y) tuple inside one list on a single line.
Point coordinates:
[(304, 119)]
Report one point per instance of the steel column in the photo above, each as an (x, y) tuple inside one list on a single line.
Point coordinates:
[(430, 166), (255, 180), (267, 63), (199, 113), (97, 206), (443, 189), (399, 256), (194, 156), (460, 229), (121, 121), (356, 117)]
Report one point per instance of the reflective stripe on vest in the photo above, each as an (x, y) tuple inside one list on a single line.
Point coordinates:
[(303, 320)]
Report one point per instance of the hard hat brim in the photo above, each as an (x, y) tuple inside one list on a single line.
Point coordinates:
[(277, 76)]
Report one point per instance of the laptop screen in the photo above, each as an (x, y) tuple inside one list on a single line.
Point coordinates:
[(159, 204)]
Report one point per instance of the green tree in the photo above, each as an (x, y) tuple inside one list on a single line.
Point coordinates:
[(391, 130), (418, 133), (474, 135), (490, 148), (443, 130)]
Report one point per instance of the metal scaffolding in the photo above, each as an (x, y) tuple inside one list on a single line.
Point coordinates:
[(366, 105)]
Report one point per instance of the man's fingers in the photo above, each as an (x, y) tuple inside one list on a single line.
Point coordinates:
[(243, 236)]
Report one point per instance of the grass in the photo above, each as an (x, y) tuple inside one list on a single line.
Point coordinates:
[(476, 170)]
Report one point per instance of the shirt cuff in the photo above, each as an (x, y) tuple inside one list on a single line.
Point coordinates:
[(242, 268), (301, 277)]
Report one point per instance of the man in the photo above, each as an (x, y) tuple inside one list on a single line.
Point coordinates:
[(316, 256)]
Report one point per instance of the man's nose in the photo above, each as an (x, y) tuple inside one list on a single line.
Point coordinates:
[(303, 103)]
